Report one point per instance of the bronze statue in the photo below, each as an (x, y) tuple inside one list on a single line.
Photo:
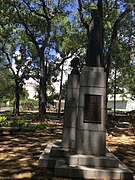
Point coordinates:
[(94, 52), (75, 65)]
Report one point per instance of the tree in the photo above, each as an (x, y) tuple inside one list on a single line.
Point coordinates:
[(20, 67), (11, 40), (122, 48), (69, 38), (47, 25), (7, 85), (36, 18), (116, 17)]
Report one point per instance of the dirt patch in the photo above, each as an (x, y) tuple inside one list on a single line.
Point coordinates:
[(124, 148), (19, 153)]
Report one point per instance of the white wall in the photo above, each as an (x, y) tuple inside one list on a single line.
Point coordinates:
[(130, 105), (31, 88)]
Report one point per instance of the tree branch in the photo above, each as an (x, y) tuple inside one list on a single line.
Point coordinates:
[(82, 18), (46, 11), (113, 39), (28, 32), (63, 60), (9, 61), (32, 10)]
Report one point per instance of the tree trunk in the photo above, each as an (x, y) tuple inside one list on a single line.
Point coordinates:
[(61, 82), (46, 78), (42, 87), (17, 99)]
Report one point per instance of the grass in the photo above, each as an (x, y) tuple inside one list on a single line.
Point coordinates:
[(27, 121)]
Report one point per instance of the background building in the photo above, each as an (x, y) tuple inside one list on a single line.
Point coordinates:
[(122, 103), (31, 87)]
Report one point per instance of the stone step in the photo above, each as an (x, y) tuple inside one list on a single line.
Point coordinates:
[(92, 161), (83, 172)]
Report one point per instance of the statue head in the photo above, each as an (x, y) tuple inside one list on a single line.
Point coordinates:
[(74, 65), (94, 12)]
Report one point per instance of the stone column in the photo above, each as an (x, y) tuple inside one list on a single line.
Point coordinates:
[(71, 112), (91, 135)]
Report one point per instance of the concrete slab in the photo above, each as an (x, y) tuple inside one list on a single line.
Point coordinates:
[(92, 161), (84, 172), (78, 166), (45, 160)]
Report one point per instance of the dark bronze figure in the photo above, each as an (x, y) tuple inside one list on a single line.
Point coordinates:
[(75, 65), (94, 52)]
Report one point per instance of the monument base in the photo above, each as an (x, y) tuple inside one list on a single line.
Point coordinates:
[(67, 164)]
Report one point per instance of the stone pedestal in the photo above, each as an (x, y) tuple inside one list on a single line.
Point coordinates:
[(91, 135), (67, 164), (71, 112), (82, 153)]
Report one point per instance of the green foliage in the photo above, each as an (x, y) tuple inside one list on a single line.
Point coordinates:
[(69, 38), (29, 101), (51, 97), (39, 126), (22, 124), (7, 85), (25, 24), (26, 122), (53, 116), (2, 120)]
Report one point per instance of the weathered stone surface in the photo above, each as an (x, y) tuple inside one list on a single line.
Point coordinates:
[(82, 153), (92, 91), (71, 112), (91, 126), (91, 142), (84, 172), (73, 165), (91, 138), (94, 77), (72, 98), (73, 80), (70, 117), (69, 138), (92, 161)]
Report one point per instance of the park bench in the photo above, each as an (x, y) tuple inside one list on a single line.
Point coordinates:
[(9, 130)]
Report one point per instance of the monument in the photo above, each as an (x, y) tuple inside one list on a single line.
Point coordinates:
[(94, 52), (82, 154)]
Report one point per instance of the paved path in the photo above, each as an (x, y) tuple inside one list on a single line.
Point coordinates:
[(2, 109)]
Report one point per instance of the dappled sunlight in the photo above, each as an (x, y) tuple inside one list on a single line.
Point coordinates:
[(124, 148), (19, 154), (121, 140)]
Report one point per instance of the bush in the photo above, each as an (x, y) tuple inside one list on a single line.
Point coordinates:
[(29, 101), (3, 120)]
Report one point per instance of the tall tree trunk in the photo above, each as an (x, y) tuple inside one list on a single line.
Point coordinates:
[(46, 78), (61, 82), (17, 99), (42, 87)]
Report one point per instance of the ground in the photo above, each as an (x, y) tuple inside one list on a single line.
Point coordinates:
[(19, 153)]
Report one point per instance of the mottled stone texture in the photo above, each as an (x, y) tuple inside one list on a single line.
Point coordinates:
[(71, 112), (91, 137)]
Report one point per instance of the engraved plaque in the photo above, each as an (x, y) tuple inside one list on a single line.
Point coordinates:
[(92, 108)]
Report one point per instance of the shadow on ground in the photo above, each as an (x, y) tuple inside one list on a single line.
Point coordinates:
[(19, 155)]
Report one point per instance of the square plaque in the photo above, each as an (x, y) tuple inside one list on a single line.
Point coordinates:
[(92, 108)]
